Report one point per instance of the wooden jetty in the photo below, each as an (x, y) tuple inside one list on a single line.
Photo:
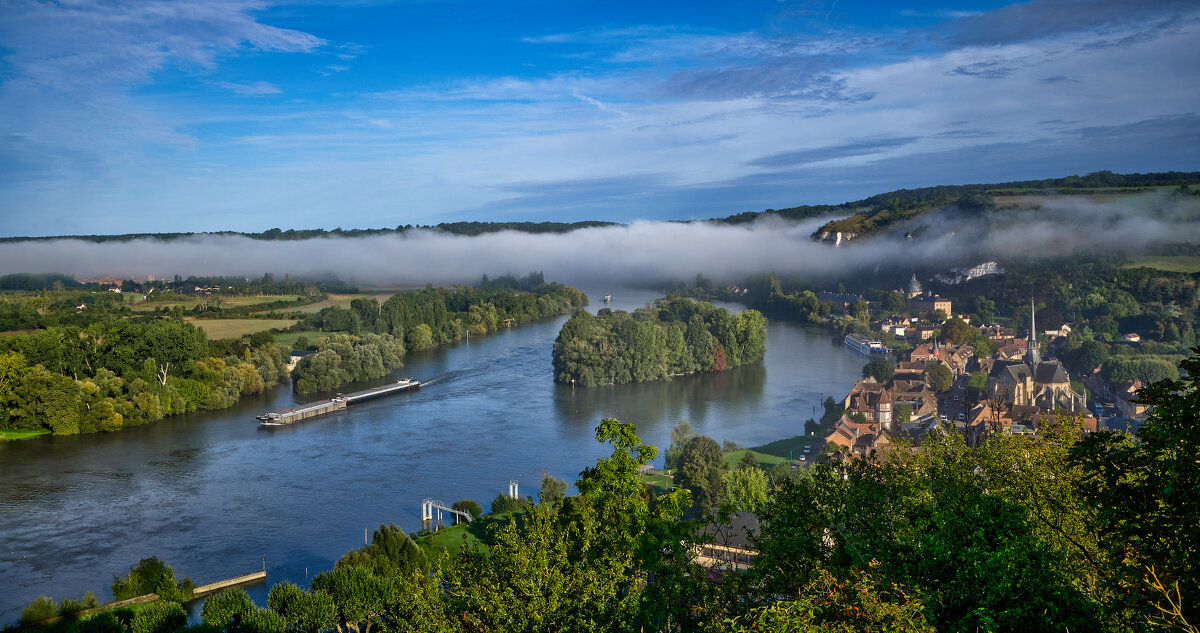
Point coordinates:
[(289, 415)]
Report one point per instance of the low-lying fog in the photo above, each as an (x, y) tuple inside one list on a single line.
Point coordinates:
[(638, 251)]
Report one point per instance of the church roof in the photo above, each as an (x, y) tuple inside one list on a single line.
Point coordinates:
[(1050, 371)]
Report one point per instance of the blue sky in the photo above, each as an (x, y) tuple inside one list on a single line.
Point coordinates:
[(143, 116)]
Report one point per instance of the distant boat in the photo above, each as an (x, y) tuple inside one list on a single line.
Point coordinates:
[(866, 346), (607, 298)]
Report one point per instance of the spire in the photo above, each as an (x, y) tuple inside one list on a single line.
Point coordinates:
[(1031, 353)]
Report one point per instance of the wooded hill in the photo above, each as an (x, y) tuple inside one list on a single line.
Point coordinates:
[(865, 215)]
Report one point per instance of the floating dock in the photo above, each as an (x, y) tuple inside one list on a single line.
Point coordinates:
[(289, 415)]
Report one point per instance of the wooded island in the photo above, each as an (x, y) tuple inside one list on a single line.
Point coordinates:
[(674, 336)]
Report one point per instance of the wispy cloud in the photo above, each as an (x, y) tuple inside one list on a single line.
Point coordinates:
[(250, 88)]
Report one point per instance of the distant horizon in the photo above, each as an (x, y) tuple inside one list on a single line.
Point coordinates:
[(216, 232), (146, 116)]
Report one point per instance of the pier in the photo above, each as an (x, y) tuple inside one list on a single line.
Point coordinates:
[(213, 587), (289, 415)]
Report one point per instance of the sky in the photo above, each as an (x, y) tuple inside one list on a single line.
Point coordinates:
[(138, 116)]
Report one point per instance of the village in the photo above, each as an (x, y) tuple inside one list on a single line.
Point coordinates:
[(938, 387)]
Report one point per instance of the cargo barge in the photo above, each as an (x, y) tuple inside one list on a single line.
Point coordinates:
[(289, 415)]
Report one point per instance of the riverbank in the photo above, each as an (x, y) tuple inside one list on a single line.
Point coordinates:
[(12, 435)]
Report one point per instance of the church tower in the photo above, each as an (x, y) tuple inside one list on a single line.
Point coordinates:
[(1031, 352)]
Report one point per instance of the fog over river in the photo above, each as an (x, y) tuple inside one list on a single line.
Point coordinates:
[(212, 493)]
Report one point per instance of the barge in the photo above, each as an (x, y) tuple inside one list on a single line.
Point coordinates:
[(865, 346), (289, 415)]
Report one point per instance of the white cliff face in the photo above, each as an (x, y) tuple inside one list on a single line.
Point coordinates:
[(959, 275)]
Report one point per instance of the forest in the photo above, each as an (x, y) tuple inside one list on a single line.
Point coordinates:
[(106, 367), (674, 336), (377, 336), (1064, 531)]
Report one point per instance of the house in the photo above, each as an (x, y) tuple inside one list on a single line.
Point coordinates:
[(1132, 337), (928, 304), (855, 438), (1126, 395), (728, 547), (999, 334), (925, 353), (871, 399)]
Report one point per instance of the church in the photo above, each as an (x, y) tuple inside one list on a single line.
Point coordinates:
[(1033, 382)]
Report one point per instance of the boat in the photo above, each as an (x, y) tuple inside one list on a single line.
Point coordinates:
[(288, 415), (866, 346), (607, 298)]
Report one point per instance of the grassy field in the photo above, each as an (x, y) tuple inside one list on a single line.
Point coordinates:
[(1170, 263), (7, 435), (661, 483), (446, 541), (226, 302), (288, 339), (340, 300), (236, 328)]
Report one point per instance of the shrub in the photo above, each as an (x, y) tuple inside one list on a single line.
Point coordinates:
[(159, 617)]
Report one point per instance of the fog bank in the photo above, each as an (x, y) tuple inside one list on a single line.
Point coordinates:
[(638, 251)]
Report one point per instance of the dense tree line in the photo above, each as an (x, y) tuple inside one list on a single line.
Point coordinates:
[(671, 337), (343, 358), (378, 335), (1057, 532), (122, 372)]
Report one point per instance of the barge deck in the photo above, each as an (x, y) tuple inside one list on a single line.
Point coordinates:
[(289, 415)]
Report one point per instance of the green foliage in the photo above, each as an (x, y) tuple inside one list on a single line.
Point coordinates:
[(679, 436), (552, 489), (941, 377), (878, 368), (159, 617), (227, 609), (42, 608), (102, 622), (832, 605), (391, 552), (1145, 491), (504, 504), (69, 606), (702, 469), (673, 336), (904, 412), (151, 575), (344, 358), (746, 488), (470, 506)]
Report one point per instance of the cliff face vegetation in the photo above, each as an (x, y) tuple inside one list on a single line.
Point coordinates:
[(672, 337)]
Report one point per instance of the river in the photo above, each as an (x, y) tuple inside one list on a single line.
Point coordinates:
[(214, 493)]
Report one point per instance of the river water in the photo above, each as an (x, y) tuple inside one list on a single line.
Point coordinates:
[(214, 493)]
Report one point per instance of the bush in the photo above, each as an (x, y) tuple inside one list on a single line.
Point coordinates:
[(503, 504), (103, 622), (159, 617), (470, 506), (42, 608), (226, 608)]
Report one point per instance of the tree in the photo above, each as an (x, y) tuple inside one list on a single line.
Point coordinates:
[(858, 310), (1145, 491), (159, 617), (42, 608), (878, 368), (746, 488), (748, 460), (226, 610), (470, 506), (1091, 355), (939, 315), (702, 471), (895, 303), (941, 377), (957, 332), (904, 412), (391, 552), (679, 436), (552, 490), (985, 309)]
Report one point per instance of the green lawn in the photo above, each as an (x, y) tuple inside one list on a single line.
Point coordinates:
[(446, 541), (1170, 263), (661, 483), (10, 435), (288, 339)]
